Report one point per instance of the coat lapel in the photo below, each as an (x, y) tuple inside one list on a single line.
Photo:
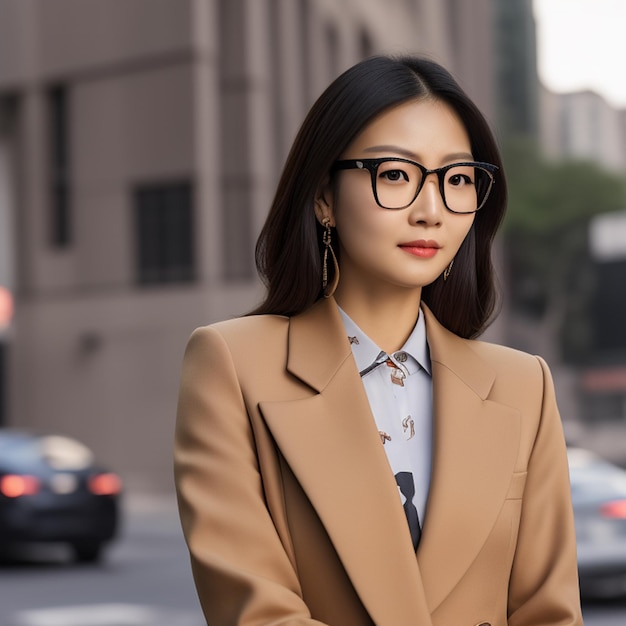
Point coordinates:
[(476, 442), (350, 483)]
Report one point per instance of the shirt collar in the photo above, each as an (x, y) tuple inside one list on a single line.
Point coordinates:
[(366, 352)]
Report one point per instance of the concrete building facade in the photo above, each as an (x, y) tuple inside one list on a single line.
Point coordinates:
[(140, 143), (583, 125)]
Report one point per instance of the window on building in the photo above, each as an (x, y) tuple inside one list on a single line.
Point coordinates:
[(277, 86), (304, 38), (237, 180), (60, 227), (332, 47), (366, 45), (164, 233)]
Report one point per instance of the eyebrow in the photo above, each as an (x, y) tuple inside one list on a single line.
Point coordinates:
[(411, 155)]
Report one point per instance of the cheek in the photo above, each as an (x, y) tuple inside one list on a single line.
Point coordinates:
[(355, 210), (363, 229), (461, 228)]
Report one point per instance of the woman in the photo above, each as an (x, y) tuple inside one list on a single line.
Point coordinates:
[(349, 454)]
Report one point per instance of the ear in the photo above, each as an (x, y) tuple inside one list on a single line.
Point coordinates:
[(323, 202)]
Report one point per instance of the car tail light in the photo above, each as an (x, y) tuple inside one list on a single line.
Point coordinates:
[(615, 509), (105, 484), (15, 485)]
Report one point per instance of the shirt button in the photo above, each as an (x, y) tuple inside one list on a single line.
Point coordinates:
[(401, 357)]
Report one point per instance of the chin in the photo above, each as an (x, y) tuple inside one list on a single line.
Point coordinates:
[(418, 282)]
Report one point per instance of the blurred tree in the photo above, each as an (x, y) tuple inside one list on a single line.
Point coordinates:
[(550, 270)]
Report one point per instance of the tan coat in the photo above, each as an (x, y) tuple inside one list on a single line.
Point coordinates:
[(291, 511)]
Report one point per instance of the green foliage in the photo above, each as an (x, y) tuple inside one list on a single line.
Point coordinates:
[(549, 195), (546, 236)]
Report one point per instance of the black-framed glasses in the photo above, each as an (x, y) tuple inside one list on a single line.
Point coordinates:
[(396, 182)]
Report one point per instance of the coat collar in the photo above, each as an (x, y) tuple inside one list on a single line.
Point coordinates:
[(320, 331), (331, 443), (454, 354)]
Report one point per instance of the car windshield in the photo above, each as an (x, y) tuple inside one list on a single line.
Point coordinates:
[(595, 478), (20, 451)]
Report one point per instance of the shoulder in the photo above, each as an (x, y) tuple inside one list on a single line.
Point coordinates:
[(478, 360), (520, 379), (244, 338), (250, 328), (249, 352), (520, 369), (507, 360)]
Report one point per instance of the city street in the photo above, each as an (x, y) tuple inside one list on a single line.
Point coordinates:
[(143, 581)]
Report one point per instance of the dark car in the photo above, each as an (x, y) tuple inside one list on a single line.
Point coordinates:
[(599, 499), (51, 490)]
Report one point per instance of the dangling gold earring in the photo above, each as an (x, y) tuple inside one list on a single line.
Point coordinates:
[(447, 271), (329, 290)]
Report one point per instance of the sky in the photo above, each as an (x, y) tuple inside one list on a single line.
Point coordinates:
[(581, 44)]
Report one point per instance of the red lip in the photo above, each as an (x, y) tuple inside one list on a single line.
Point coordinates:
[(421, 248), (420, 243)]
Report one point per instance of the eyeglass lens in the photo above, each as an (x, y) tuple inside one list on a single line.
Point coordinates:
[(465, 187)]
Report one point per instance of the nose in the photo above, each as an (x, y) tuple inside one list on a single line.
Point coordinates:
[(428, 208)]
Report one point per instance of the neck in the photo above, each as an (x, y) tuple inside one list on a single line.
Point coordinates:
[(387, 319)]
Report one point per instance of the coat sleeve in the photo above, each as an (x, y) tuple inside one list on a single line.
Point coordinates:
[(544, 581), (241, 571)]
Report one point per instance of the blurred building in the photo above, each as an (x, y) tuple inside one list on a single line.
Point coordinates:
[(6, 254), (517, 79), (603, 381), (583, 125), (143, 141)]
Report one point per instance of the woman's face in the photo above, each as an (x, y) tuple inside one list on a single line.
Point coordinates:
[(404, 248)]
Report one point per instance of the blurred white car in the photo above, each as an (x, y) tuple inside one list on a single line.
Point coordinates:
[(599, 499)]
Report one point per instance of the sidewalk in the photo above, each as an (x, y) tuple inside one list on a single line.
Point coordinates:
[(142, 503), (155, 512)]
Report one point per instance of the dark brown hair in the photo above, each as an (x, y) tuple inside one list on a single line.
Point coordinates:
[(289, 248)]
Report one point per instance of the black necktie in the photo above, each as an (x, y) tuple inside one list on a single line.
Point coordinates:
[(407, 487)]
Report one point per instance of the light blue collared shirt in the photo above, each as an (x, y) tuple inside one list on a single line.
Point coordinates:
[(399, 390)]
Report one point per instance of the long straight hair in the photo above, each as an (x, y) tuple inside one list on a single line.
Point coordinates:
[(289, 248)]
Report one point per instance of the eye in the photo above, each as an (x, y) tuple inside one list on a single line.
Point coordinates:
[(394, 175), (459, 179)]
